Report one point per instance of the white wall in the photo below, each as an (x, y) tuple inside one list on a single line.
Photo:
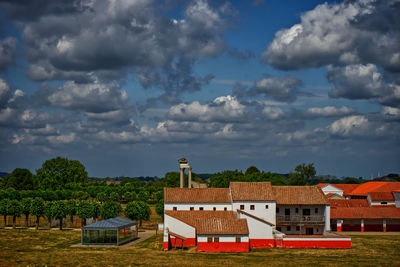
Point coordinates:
[(396, 199), (327, 219), (332, 189), (260, 210), (257, 229), (196, 206), (379, 203), (223, 238), (178, 227)]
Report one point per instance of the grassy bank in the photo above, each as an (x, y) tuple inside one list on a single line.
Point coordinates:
[(53, 248)]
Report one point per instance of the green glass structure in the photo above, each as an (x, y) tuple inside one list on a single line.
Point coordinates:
[(114, 231)]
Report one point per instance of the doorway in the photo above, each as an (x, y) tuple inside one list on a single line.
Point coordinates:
[(309, 231)]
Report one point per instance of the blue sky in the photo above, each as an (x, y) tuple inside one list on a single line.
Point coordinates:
[(128, 87)]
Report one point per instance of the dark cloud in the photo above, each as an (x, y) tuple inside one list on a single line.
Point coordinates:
[(347, 33), (284, 89), (7, 51)]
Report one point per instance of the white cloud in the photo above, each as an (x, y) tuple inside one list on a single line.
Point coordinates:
[(352, 125)]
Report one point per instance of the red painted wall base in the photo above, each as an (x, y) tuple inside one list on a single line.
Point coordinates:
[(165, 246), (189, 242), (223, 246), (316, 244), (262, 243), (339, 228)]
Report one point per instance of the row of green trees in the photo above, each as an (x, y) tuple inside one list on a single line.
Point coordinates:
[(61, 209)]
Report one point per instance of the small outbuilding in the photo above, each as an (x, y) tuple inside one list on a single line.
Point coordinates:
[(114, 231)]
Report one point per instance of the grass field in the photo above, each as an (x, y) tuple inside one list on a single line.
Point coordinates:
[(53, 248)]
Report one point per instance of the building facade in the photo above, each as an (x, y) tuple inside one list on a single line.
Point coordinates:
[(248, 215)]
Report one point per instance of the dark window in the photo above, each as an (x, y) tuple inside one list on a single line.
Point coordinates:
[(237, 239), (252, 207), (287, 212), (201, 208), (297, 228), (216, 239), (288, 228), (209, 239), (278, 228), (242, 207), (317, 230), (316, 210), (277, 210), (383, 203), (225, 208), (191, 208), (266, 207), (297, 210), (214, 208), (306, 212), (174, 208)]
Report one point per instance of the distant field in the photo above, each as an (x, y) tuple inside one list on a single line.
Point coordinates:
[(53, 248)]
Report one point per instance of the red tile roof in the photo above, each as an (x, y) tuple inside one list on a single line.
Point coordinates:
[(389, 212), (251, 191), (212, 222), (299, 195), (348, 203), (322, 184), (381, 196), (347, 188), (364, 189), (329, 195), (196, 195)]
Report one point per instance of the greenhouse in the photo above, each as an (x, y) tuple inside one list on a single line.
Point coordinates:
[(114, 231)]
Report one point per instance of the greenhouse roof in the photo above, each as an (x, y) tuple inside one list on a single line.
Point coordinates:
[(113, 223)]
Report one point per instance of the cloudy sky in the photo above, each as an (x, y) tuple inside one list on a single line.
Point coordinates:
[(128, 87)]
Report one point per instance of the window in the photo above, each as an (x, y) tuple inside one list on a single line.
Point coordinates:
[(266, 207), (252, 207), (209, 239), (316, 210), (225, 208), (297, 228), (191, 208), (214, 208), (383, 203), (317, 230), (288, 228), (201, 208), (216, 239), (277, 210), (278, 228), (242, 207), (297, 210), (237, 239), (174, 208)]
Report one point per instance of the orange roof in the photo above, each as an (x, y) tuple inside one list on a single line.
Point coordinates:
[(255, 191), (299, 195), (322, 184), (329, 195), (196, 195), (212, 222), (347, 188), (389, 187), (381, 196), (390, 212), (364, 189), (348, 203)]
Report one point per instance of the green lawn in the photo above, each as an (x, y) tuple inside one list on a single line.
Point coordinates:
[(53, 248)]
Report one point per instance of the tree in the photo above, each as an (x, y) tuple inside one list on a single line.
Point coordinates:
[(3, 209), (159, 195), (251, 170), (85, 211), (59, 211), (110, 209), (96, 210), (303, 174), (57, 172), (37, 209), (14, 209), (137, 211), (114, 196), (222, 179), (26, 208), (130, 196), (160, 209), (19, 179), (48, 211), (71, 209), (102, 197), (143, 196)]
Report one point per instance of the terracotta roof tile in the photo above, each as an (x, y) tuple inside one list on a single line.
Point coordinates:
[(212, 222), (322, 184), (364, 189), (299, 195), (196, 195), (349, 203), (390, 212), (381, 196), (251, 191), (347, 188)]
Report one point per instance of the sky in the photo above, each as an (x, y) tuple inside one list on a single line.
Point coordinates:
[(128, 87)]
